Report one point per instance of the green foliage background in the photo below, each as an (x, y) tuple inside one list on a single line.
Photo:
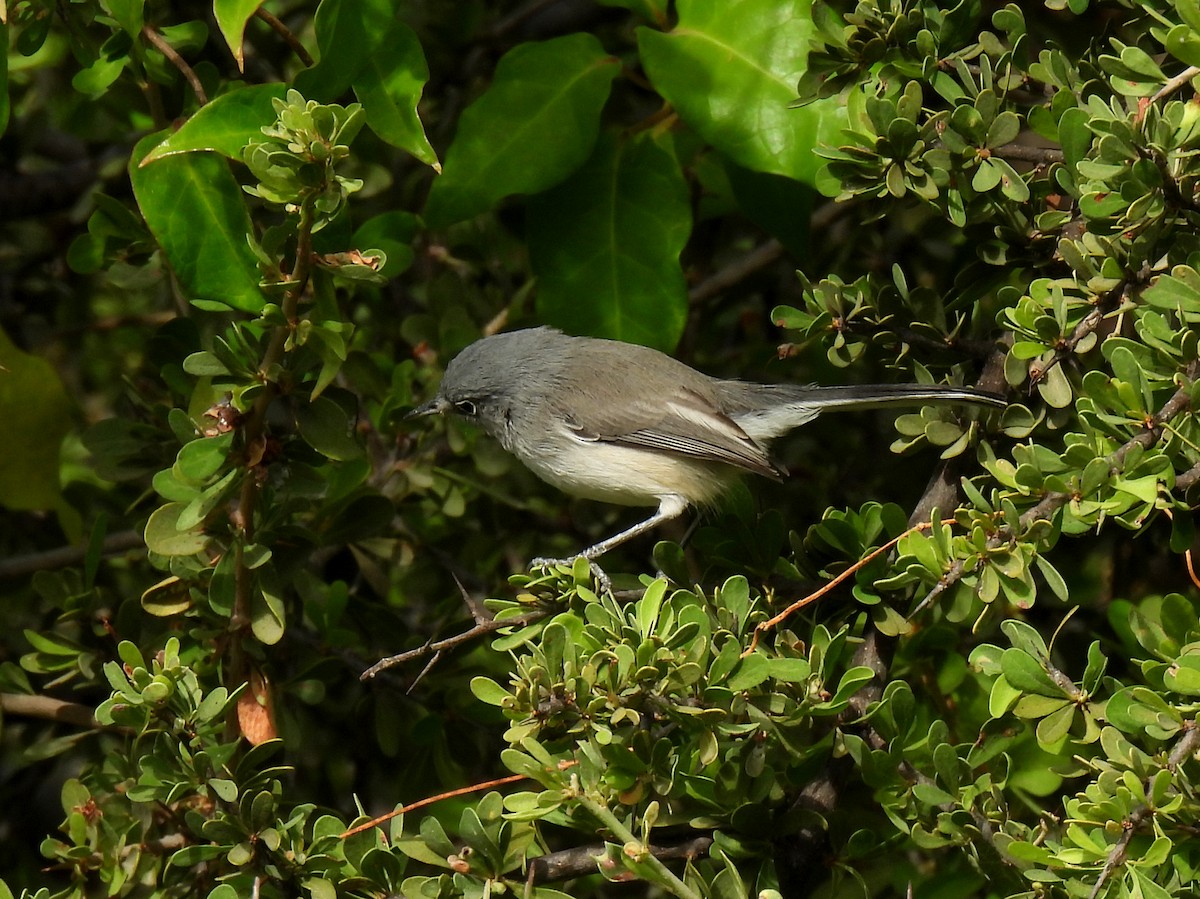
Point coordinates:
[(240, 241)]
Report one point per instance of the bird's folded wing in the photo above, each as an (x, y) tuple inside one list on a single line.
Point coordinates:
[(688, 425)]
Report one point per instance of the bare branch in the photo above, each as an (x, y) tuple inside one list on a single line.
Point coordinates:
[(485, 627), (1176, 83), (286, 33), (1089, 324), (1052, 502), (742, 267), (580, 861), (176, 60), (1027, 153), (49, 708), (61, 557), (1184, 747)]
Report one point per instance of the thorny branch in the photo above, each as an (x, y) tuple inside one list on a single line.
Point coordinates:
[(439, 646), (1088, 325), (1187, 744), (1052, 502), (579, 861)]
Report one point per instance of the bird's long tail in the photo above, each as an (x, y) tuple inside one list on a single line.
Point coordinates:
[(765, 411)]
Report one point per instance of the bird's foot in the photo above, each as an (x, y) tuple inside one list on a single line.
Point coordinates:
[(603, 583)]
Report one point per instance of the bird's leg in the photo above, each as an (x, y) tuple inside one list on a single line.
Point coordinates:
[(670, 506)]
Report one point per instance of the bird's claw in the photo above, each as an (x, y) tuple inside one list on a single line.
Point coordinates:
[(602, 580)]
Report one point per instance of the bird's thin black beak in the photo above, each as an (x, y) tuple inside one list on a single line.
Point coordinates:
[(435, 405)]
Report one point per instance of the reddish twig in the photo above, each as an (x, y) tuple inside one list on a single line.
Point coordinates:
[(813, 597), (430, 800)]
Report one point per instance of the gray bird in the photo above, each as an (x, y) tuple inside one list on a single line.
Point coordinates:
[(626, 424)]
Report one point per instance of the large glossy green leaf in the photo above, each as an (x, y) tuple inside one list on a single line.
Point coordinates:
[(36, 415), (348, 33), (195, 211), (225, 125), (389, 86), (730, 70), (362, 44), (536, 123), (232, 16), (605, 245)]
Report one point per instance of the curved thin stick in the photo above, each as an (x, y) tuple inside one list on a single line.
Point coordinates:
[(430, 800), (813, 597)]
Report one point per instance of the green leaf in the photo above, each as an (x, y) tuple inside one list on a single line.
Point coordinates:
[(1184, 675), (325, 426), (37, 416), (267, 616), (195, 211), (165, 538), (730, 70), (129, 14), (605, 246), (232, 16), (225, 789), (1178, 290), (170, 596), (1054, 728), (348, 33), (1184, 44), (533, 126), (225, 125), (393, 232), (203, 457), (1027, 674), (750, 672), (487, 690), (389, 86), (790, 670)]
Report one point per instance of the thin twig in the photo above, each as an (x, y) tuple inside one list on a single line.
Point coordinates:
[(517, 17), (254, 427), (1187, 553), (286, 33), (483, 627), (736, 271), (579, 861), (478, 610), (178, 61), (430, 800), (1090, 322), (1176, 83), (1183, 748), (813, 597), (62, 556), (1026, 153), (1052, 502), (461, 791), (765, 254)]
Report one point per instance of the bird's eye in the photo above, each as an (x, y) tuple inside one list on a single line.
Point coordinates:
[(464, 407)]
